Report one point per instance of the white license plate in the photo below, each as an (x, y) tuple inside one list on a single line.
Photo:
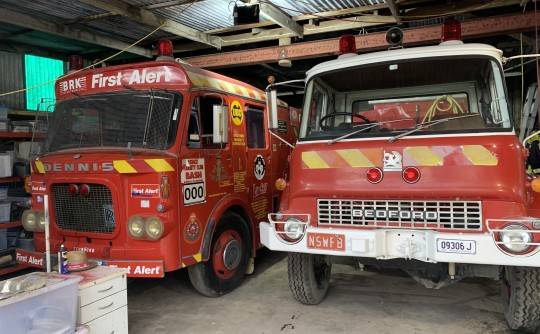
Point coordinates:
[(456, 246)]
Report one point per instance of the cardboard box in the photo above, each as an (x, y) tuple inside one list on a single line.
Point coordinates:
[(39, 303)]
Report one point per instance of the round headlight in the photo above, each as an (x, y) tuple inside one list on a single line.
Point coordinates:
[(154, 228), (514, 234), (293, 228), (29, 220), (136, 226), (41, 221)]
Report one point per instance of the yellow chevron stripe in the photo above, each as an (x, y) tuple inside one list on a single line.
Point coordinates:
[(122, 166), (40, 167), (355, 158), (183, 265), (424, 156), (313, 160), (160, 165), (479, 155), (198, 257)]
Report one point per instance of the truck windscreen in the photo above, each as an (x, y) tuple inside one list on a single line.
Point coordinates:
[(394, 99), (134, 119)]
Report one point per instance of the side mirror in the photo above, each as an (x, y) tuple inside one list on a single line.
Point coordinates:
[(271, 106), (220, 122)]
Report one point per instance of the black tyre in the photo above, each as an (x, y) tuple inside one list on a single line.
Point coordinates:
[(520, 291), (309, 276), (226, 267)]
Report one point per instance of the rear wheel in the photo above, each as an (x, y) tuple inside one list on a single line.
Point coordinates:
[(520, 291), (225, 269), (309, 276)]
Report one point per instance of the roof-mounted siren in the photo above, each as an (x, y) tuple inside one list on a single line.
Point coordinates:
[(75, 63), (451, 32), (347, 46), (164, 50), (394, 37)]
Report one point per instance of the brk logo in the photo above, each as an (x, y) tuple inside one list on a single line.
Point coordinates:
[(72, 85)]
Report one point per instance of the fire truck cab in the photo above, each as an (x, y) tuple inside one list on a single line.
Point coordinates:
[(408, 158), (158, 166)]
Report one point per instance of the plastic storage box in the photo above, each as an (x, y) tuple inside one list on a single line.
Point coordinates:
[(38, 303)]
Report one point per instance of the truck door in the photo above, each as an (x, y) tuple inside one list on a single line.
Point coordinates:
[(259, 162), (206, 171)]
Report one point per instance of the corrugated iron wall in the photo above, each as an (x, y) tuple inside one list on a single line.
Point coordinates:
[(12, 79)]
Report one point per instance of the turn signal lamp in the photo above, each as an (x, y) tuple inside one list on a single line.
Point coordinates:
[(451, 30), (374, 175), (164, 50), (165, 187), (535, 185), (347, 45), (75, 63), (73, 189), (84, 190), (411, 175), (281, 184)]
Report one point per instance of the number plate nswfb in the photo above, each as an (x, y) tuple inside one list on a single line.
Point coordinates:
[(335, 242), (456, 246)]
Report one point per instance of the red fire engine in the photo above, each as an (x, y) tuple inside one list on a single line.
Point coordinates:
[(157, 166), (408, 158)]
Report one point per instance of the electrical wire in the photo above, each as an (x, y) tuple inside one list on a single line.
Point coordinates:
[(166, 22)]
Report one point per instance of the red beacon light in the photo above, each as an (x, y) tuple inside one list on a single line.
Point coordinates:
[(347, 45), (75, 63), (164, 50), (451, 31)]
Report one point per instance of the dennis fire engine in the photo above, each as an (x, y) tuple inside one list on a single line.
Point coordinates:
[(158, 166), (407, 158)]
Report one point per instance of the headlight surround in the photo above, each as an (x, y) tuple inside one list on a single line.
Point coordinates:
[(153, 228), (135, 227), (29, 220), (516, 233), (293, 228)]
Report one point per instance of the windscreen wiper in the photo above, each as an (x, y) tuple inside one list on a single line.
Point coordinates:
[(420, 126), (367, 127)]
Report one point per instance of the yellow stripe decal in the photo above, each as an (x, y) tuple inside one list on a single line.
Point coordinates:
[(313, 160), (424, 156), (355, 158), (40, 167), (122, 166), (198, 257), (479, 155), (159, 165)]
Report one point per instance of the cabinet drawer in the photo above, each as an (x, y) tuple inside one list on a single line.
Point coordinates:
[(115, 322), (101, 290), (103, 306)]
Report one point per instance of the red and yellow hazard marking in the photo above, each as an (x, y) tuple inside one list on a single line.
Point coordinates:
[(474, 155), (192, 259), (206, 81), (142, 166)]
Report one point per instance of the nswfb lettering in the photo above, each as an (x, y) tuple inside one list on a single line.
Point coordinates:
[(80, 167), (426, 215)]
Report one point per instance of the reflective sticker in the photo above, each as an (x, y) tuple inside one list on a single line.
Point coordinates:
[(145, 203)]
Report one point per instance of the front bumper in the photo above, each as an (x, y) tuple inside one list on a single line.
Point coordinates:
[(385, 244), (135, 268)]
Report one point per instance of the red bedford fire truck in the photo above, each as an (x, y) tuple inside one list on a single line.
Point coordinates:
[(408, 158), (158, 166)]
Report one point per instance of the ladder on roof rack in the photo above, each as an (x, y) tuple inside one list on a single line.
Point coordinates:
[(530, 110)]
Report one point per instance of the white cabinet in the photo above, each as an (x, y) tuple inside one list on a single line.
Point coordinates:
[(103, 300)]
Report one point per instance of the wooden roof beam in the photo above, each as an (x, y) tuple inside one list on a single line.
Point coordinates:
[(278, 16), (394, 10), (26, 21), (367, 43), (149, 18)]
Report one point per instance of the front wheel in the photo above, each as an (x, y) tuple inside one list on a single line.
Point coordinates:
[(309, 277), (225, 269), (520, 292)]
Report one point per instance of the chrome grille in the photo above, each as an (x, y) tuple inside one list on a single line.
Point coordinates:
[(401, 214), (84, 214)]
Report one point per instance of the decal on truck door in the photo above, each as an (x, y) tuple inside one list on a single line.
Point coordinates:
[(259, 167), (237, 115), (193, 180)]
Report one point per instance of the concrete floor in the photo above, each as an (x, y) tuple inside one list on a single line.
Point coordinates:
[(357, 302)]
